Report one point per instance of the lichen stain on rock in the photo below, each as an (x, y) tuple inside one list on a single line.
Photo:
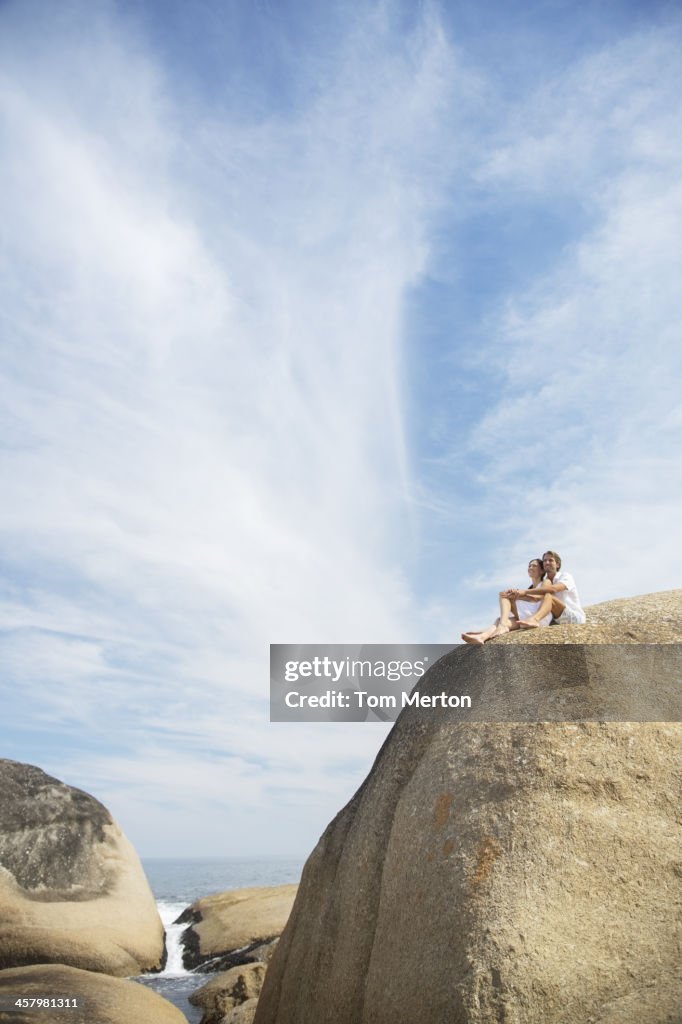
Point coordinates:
[(441, 811), (489, 851), (448, 847)]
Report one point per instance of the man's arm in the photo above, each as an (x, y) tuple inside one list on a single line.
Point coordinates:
[(532, 595)]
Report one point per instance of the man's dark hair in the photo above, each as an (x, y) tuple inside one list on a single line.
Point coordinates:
[(555, 556)]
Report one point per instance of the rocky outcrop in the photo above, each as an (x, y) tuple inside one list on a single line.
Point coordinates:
[(101, 1000), (225, 930), (265, 952), (647, 619), (245, 1013), (72, 890), (228, 990), (501, 873)]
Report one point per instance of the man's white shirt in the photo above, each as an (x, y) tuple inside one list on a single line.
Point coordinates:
[(569, 596)]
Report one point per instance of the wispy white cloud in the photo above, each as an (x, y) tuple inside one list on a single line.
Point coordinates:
[(205, 444), (206, 439), (578, 446)]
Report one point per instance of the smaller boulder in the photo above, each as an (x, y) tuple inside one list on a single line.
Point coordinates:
[(226, 929), (227, 991), (100, 999), (243, 1014)]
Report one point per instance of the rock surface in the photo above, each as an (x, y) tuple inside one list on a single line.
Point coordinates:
[(245, 1013), (499, 873), (265, 952), (102, 1000), (227, 990), (72, 890), (647, 619), (238, 920)]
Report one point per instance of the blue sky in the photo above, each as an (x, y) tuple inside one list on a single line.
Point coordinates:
[(319, 320)]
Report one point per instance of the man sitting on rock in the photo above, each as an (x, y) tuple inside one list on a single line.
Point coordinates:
[(561, 596)]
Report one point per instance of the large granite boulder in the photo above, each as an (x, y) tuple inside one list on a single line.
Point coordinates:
[(100, 999), (226, 929), (503, 872), (72, 890)]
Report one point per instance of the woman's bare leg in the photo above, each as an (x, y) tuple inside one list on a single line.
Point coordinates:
[(545, 608), (504, 623)]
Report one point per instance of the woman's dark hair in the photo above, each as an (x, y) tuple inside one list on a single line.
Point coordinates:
[(540, 566)]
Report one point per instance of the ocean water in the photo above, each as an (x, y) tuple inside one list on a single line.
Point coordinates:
[(177, 883)]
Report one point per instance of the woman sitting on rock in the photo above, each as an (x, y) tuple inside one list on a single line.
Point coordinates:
[(514, 611)]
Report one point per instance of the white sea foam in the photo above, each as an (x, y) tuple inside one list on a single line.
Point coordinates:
[(168, 912)]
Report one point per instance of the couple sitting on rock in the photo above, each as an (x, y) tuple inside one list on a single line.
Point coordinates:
[(551, 598)]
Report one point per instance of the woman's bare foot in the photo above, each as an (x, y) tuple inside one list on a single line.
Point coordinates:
[(528, 624), (473, 638), (501, 630)]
